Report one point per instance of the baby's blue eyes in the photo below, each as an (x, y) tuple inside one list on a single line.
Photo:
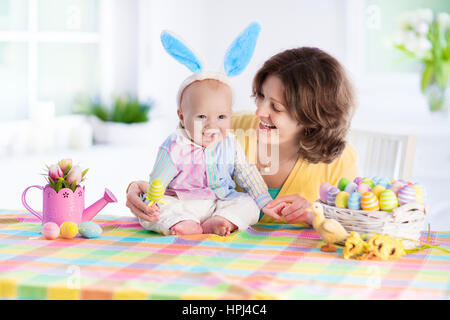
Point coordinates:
[(202, 116)]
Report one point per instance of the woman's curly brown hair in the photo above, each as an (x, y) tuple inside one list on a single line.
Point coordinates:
[(318, 95)]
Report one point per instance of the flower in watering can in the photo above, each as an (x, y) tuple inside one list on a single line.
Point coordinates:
[(64, 175), (55, 172), (65, 165), (74, 176)]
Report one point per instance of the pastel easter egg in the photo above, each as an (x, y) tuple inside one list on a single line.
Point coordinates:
[(351, 187), (421, 194), (341, 199), (375, 179), (396, 186), (388, 200), (407, 194), (69, 230), (369, 202), (385, 182), (354, 201), (377, 190), (357, 180), (368, 181), (50, 230), (363, 188), (90, 229), (331, 198), (343, 183), (324, 188)]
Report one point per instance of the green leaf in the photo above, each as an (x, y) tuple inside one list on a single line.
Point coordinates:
[(426, 77), (84, 172), (73, 186), (59, 184)]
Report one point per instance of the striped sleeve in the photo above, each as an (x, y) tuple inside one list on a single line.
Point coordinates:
[(164, 169), (250, 180)]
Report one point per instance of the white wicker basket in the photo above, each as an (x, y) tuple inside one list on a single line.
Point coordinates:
[(403, 222)]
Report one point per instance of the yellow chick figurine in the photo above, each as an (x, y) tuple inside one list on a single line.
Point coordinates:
[(155, 192), (330, 230)]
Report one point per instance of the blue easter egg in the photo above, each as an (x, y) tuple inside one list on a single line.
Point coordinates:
[(90, 229), (385, 182), (351, 187), (354, 201)]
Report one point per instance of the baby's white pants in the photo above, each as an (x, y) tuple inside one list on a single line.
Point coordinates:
[(241, 211)]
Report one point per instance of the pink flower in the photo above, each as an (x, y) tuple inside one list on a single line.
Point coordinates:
[(65, 163), (74, 175), (54, 172)]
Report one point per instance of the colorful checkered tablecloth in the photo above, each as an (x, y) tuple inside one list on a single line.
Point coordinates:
[(265, 262)]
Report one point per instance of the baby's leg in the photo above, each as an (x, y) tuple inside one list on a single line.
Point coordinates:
[(186, 227), (218, 225), (231, 215)]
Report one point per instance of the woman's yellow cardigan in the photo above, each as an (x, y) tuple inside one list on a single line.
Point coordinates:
[(305, 178)]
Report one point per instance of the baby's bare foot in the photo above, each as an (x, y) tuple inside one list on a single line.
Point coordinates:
[(186, 227), (218, 225)]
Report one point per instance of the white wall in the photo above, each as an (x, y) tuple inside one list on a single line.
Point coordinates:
[(210, 27)]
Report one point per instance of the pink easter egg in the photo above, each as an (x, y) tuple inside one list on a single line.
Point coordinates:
[(407, 194), (397, 185), (357, 180), (50, 231), (324, 188), (363, 188)]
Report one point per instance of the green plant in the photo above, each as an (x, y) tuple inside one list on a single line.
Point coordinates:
[(426, 38), (125, 109)]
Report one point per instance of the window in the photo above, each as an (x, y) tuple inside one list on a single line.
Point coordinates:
[(49, 51), (371, 26), (383, 22)]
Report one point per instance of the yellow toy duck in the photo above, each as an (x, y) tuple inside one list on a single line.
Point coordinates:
[(330, 230)]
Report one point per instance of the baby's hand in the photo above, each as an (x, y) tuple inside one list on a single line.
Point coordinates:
[(275, 212), (152, 210)]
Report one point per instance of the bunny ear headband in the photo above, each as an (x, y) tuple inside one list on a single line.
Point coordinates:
[(236, 59)]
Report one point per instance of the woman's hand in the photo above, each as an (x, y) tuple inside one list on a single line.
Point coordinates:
[(296, 211), (274, 211), (138, 207)]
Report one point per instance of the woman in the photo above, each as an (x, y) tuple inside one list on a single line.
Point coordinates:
[(304, 99)]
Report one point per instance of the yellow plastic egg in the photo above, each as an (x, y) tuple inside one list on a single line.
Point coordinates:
[(377, 190), (69, 230), (369, 202), (342, 199)]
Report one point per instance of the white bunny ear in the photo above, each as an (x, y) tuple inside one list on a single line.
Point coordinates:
[(241, 50), (180, 51)]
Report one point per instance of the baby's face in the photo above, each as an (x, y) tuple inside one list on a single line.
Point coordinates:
[(205, 111)]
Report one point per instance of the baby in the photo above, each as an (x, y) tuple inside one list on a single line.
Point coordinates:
[(197, 164)]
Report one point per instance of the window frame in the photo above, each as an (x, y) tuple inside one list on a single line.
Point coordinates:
[(32, 37)]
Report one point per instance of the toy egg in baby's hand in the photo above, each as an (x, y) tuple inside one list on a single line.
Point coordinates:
[(90, 229), (50, 230), (155, 192), (69, 230)]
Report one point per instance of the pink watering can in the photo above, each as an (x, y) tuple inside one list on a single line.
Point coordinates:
[(67, 205)]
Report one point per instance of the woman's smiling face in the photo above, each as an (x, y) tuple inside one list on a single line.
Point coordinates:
[(273, 114)]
